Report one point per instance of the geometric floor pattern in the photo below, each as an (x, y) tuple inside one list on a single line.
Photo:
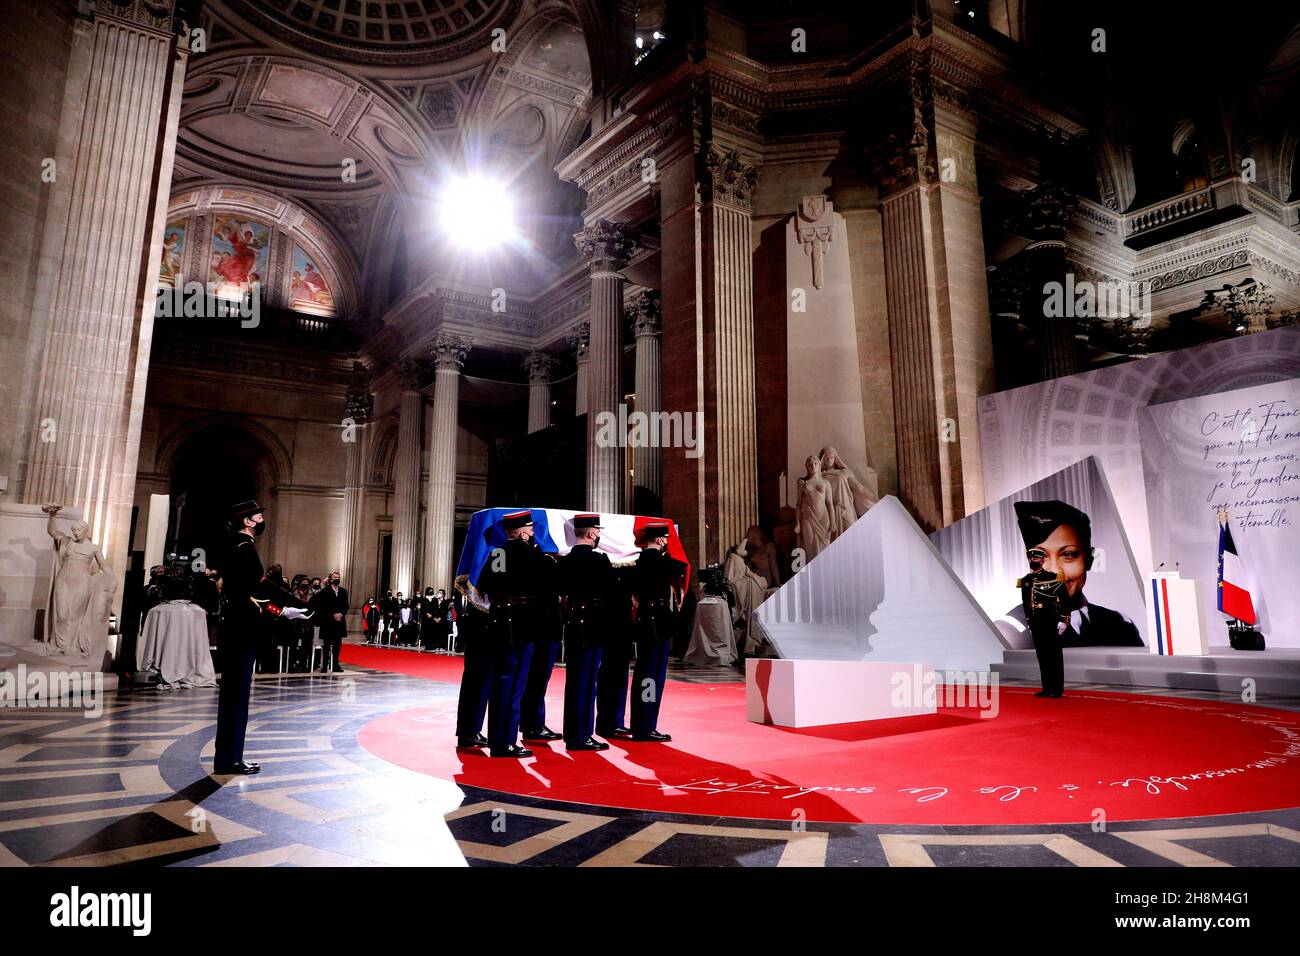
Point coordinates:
[(131, 787)]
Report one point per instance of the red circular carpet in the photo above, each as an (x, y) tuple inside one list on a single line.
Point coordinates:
[(1037, 761)]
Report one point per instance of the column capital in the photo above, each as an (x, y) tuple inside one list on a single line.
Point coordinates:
[(645, 313), (579, 339), (605, 245), (904, 159), (449, 351), (1047, 211), (539, 365), (729, 178), (412, 374)]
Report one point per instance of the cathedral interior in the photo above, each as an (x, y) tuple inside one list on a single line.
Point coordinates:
[(409, 180), (380, 265)]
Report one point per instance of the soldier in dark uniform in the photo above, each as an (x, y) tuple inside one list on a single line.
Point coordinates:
[(241, 629), (519, 583), (471, 710), (546, 649), (656, 581), (591, 594)]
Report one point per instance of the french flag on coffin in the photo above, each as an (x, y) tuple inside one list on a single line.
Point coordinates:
[(553, 531), (1234, 593)]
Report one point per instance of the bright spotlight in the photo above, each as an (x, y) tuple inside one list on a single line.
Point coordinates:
[(477, 211)]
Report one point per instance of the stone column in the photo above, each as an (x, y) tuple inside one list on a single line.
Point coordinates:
[(540, 366), (710, 483), (937, 296), (646, 325), (449, 353), (356, 443), (578, 340), (96, 298), (406, 475), (607, 248), (1049, 208)]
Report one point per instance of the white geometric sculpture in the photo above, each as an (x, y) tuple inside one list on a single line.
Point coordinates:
[(880, 592)]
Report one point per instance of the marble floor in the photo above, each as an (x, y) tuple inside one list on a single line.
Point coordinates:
[(132, 787)]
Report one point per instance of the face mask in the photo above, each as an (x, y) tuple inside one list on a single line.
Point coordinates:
[(258, 529), (596, 542)]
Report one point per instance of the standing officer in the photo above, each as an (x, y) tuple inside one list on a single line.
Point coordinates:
[(657, 582), (590, 592), (241, 627), (471, 709), (519, 583)]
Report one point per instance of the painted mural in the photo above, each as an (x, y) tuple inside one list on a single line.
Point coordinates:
[(308, 289), (240, 254), (173, 251)]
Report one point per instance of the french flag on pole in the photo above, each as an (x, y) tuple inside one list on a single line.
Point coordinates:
[(1234, 593)]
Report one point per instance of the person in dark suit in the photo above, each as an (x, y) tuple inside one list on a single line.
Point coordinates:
[(519, 583), (1063, 534), (330, 604), (657, 582), (388, 615), (370, 614), (241, 629), (590, 594)]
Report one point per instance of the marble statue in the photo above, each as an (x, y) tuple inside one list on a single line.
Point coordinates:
[(81, 588), (815, 511), (850, 498)]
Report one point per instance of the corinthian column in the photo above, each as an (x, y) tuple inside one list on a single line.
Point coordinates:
[(406, 477), (356, 443), (646, 325), (449, 353), (539, 366), (578, 340), (103, 243), (607, 248)]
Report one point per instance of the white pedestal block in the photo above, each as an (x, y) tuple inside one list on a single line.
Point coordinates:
[(1174, 622), (810, 693)]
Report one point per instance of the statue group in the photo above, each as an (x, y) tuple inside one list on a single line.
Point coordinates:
[(831, 498), (81, 592)]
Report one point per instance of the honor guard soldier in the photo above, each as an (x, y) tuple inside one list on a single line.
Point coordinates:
[(1043, 596), (657, 582), (519, 584), (590, 593), (471, 709), (241, 629)]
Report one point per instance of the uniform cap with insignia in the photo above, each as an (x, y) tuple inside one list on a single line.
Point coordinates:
[(1038, 519), (245, 509), (582, 522), (516, 519), (652, 531)]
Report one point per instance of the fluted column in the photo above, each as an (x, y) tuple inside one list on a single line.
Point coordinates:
[(729, 306), (578, 340), (448, 353), (647, 325), (540, 366), (122, 104), (1049, 208), (406, 475), (607, 248), (356, 443)]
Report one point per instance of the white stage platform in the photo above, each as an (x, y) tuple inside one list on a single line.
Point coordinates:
[(1275, 672)]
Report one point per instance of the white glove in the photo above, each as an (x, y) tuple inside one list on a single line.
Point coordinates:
[(295, 613)]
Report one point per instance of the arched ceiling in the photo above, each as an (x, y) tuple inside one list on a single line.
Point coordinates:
[(291, 93), (413, 31)]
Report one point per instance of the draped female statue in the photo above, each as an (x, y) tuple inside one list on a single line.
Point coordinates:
[(77, 614)]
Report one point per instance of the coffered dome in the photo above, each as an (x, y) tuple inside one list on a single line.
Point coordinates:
[(367, 31)]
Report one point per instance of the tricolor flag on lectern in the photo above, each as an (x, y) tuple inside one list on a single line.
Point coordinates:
[(1234, 593)]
